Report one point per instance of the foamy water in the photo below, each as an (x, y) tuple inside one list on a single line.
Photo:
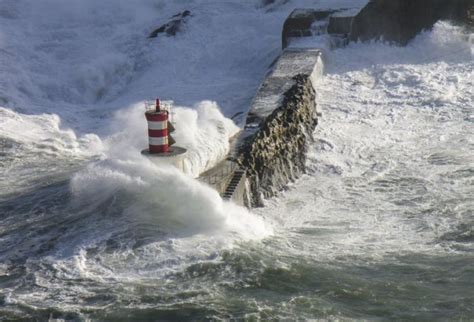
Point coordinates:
[(391, 168)]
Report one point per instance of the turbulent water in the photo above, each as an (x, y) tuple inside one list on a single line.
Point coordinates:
[(380, 227)]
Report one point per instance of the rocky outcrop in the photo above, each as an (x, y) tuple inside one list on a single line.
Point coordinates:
[(280, 123), (172, 27), (399, 21)]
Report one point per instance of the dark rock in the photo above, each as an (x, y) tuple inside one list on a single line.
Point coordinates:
[(270, 2), (172, 27), (271, 5), (300, 24), (399, 21), (183, 14)]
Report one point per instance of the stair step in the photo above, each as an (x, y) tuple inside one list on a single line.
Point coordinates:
[(235, 180)]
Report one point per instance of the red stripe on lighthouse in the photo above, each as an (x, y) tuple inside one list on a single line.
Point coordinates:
[(157, 135), (153, 116)]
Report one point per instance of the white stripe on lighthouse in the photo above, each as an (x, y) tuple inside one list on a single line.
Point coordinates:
[(158, 141), (157, 125)]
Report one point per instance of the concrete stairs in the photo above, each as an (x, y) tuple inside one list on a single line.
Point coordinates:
[(233, 184)]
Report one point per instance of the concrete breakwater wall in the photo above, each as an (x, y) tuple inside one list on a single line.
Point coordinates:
[(283, 115), (271, 150)]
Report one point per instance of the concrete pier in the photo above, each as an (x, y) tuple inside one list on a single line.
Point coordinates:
[(270, 152)]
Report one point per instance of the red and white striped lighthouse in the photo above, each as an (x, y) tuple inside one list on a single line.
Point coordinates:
[(161, 148), (157, 129)]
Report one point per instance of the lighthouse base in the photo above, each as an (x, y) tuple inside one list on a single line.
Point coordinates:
[(175, 157)]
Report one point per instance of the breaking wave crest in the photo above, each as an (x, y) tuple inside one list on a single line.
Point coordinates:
[(36, 147), (163, 194)]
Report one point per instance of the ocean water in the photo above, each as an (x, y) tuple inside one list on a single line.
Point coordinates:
[(380, 227)]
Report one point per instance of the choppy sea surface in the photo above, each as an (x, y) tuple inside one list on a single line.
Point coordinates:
[(380, 226)]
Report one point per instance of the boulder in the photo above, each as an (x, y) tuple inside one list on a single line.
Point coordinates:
[(172, 27), (399, 21), (265, 3)]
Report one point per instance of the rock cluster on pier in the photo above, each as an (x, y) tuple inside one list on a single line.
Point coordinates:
[(280, 124), (276, 155)]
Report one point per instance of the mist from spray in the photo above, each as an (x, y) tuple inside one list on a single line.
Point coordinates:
[(203, 130), (182, 220)]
